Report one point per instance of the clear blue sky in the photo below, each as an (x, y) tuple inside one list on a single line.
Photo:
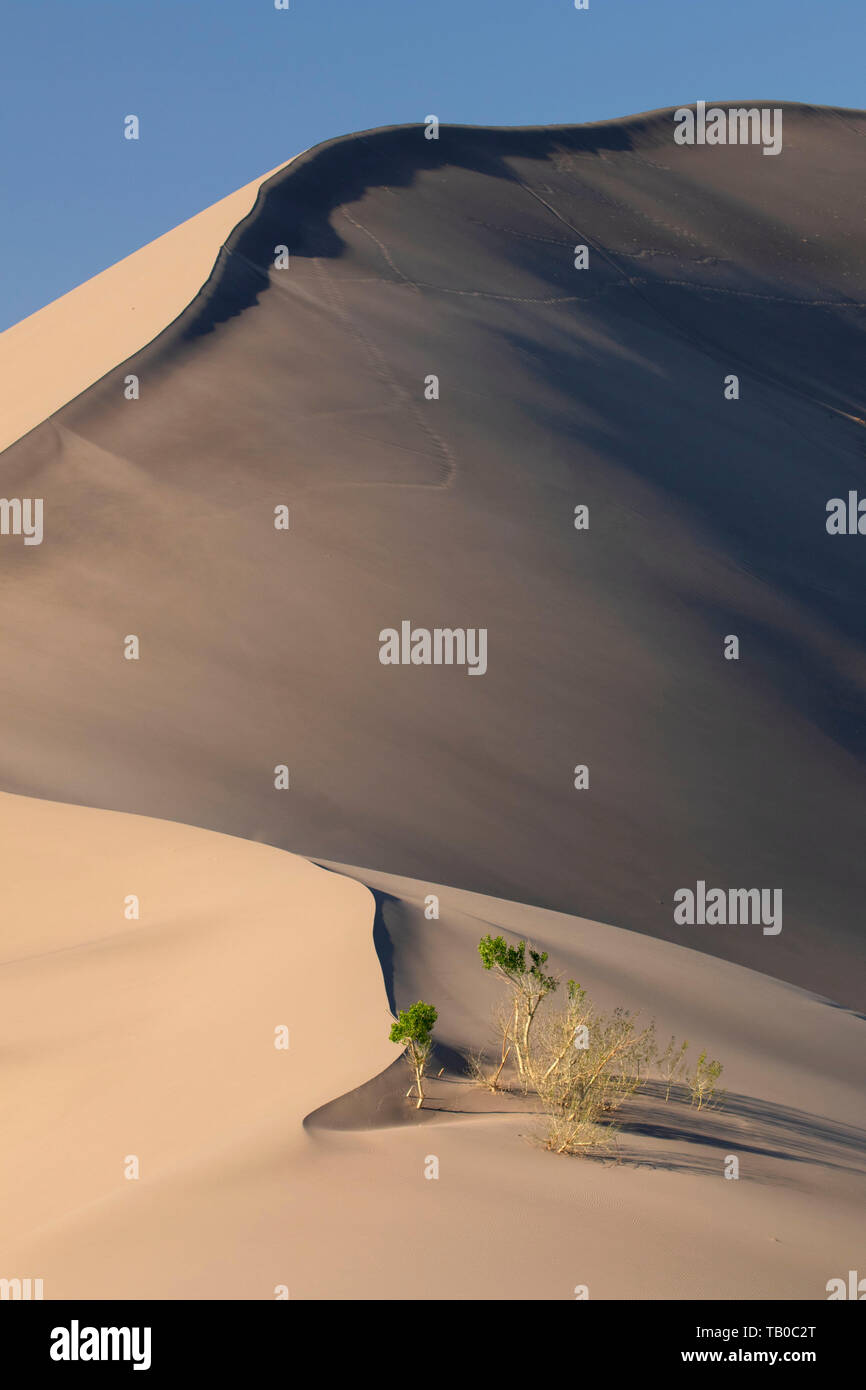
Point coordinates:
[(226, 89)]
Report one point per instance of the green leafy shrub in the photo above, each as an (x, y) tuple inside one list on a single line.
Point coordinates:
[(414, 1031), (528, 986)]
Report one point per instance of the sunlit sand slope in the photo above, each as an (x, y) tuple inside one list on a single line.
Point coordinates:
[(54, 354)]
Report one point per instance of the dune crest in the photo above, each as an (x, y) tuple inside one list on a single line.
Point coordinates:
[(57, 352)]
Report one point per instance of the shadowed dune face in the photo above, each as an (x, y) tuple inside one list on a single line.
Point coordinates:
[(558, 387)]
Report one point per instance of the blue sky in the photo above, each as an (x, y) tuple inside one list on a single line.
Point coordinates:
[(226, 89)]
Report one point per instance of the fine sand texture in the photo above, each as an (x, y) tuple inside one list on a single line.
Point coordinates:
[(304, 386), (263, 1170)]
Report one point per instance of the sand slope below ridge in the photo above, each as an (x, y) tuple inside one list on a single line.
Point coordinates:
[(305, 387), (664, 1222), (155, 1038), (58, 351)]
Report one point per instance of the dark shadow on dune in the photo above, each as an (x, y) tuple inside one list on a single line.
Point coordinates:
[(777, 535), (831, 1004), (741, 1124), (383, 944), (382, 1103), (381, 938), (825, 697), (379, 1103), (695, 1141), (451, 1058), (294, 208)]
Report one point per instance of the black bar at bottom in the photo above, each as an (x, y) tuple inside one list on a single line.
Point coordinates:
[(156, 1339)]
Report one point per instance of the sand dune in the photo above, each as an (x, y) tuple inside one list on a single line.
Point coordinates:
[(56, 353), (305, 387), (155, 1038)]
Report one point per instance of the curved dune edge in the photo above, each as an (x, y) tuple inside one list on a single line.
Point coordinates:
[(56, 353), (155, 1038), (53, 355), (786, 1049)]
